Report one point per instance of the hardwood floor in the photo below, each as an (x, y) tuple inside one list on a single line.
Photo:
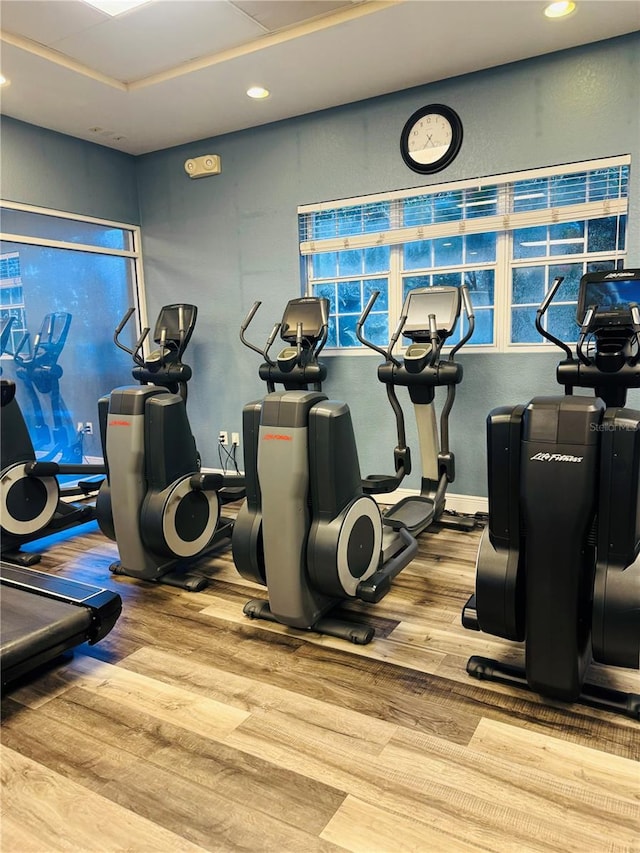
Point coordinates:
[(191, 727)]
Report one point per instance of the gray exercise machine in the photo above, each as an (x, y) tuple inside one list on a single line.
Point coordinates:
[(307, 531)]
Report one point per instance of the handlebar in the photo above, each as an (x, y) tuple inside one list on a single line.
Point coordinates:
[(542, 310), (386, 354), (243, 328), (467, 304)]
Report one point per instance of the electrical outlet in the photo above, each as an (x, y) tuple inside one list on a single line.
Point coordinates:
[(88, 428), (223, 437), (235, 439)]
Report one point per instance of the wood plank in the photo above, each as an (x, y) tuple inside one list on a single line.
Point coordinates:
[(362, 828), (591, 769), (41, 810)]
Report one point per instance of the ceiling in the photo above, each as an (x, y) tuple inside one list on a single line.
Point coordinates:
[(175, 71)]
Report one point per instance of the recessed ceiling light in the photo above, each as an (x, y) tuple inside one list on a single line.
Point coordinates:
[(258, 92), (116, 7), (560, 10), (3, 80)]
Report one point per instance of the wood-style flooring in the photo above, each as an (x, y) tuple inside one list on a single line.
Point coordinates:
[(191, 727)]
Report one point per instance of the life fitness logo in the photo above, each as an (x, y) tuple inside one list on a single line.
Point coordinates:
[(276, 436), (119, 423), (555, 457)]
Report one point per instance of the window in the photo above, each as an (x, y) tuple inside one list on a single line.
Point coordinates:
[(505, 237), (58, 263)]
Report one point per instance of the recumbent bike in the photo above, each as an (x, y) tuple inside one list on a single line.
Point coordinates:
[(558, 566)]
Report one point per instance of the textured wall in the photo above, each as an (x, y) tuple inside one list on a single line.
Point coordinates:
[(226, 241)]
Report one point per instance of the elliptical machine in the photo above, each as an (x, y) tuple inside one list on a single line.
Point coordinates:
[(40, 374), (558, 566), (155, 504), (429, 317), (31, 505), (307, 530)]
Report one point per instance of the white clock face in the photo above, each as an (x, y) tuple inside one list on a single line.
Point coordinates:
[(429, 139)]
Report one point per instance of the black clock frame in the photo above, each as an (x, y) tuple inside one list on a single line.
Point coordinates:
[(456, 139)]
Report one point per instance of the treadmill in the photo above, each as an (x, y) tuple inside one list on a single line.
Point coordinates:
[(44, 615)]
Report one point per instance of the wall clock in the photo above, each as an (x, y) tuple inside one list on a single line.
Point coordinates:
[(431, 139)]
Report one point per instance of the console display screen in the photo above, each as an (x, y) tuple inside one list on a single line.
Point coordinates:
[(309, 312), (611, 294)]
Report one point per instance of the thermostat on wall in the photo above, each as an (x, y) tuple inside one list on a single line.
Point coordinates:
[(200, 167)]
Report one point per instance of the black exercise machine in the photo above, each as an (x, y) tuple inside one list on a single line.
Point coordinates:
[(307, 530), (43, 616), (558, 566), (158, 507), (30, 493), (429, 317)]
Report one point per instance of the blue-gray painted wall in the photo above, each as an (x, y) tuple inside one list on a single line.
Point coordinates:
[(226, 241)]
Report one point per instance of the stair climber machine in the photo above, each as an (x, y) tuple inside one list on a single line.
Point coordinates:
[(162, 512), (558, 566), (307, 531), (429, 317), (40, 373), (31, 505)]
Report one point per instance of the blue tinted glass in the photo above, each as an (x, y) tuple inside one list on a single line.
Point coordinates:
[(480, 248), (448, 251), (417, 210), (378, 328), (417, 255), (347, 330), (332, 338), (482, 202), (622, 233), (530, 195), (481, 286), (567, 238), (447, 279), (414, 281), (530, 242), (350, 262), (602, 234), (325, 265), (377, 259), (447, 207), (601, 266), (349, 297), (349, 221), (568, 189), (561, 322), (328, 291), (572, 273), (377, 217), (96, 290), (323, 224), (381, 285), (30, 224), (528, 285), (523, 330), (483, 332)]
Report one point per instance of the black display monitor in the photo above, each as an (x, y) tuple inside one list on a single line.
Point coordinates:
[(610, 292), (444, 302), (311, 311), (173, 318)]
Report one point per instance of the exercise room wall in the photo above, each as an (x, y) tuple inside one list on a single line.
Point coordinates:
[(226, 241)]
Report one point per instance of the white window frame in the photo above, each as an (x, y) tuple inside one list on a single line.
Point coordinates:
[(502, 223), (134, 252)]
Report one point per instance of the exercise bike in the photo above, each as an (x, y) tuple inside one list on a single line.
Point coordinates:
[(429, 317), (38, 368), (307, 531), (158, 507), (558, 566)]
